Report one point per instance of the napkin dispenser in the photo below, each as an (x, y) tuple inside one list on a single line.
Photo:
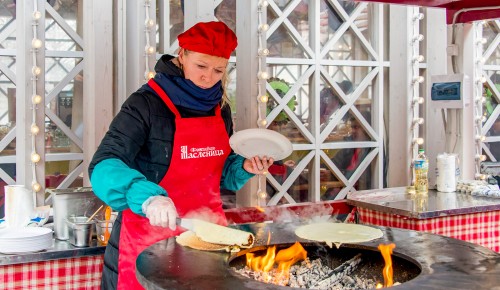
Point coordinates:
[(71, 202)]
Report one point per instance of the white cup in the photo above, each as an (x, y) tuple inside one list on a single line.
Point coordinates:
[(19, 205)]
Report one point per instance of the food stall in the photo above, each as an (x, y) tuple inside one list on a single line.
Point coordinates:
[(468, 218), (475, 219)]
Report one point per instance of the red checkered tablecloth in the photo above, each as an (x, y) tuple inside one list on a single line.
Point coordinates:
[(75, 273), (479, 228)]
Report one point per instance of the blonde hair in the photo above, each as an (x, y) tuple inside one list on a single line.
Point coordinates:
[(224, 80)]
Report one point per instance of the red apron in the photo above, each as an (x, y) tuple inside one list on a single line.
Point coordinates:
[(200, 148)]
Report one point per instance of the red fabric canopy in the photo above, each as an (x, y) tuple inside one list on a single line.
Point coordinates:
[(452, 6)]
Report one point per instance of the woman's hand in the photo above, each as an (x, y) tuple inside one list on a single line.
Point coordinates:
[(256, 165)]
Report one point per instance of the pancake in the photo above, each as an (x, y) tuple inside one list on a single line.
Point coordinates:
[(338, 233), (217, 234), (190, 239)]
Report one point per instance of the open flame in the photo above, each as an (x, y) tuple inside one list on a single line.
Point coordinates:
[(386, 251), (284, 259)]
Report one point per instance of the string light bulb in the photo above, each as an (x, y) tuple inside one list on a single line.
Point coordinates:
[(263, 52), (418, 16), (34, 129), (263, 3), (263, 27), (418, 100), (419, 79), (149, 49), (149, 75), (35, 157), (262, 122), (36, 99), (263, 98), (418, 141), (36, 43), (263, 75), (149, 23), (262, 194), (419, 37), (418, 121), (36, 70), (36, 186), (418, 58), (36, 15)]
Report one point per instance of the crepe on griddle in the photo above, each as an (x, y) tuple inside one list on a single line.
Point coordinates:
[(213, 237), (189, 239), (217, 234), (338, 233)]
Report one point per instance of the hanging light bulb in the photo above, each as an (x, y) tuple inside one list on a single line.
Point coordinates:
[(35, 157), (149, 75), (418, 100), (36, 186), (419, 37), (263, 98), (36, 43), (36, 99), (36, 70), (34, 129), (418, 16), (149, 49), (262, 122), (418, 141), (263, 4), (261, 194), (263, 75), (263, 52), (419, 79), (263, 27), (418, 121), (149, 23), (418, 58), (36, 15)]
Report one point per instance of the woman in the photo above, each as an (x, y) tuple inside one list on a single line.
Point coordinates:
[(167, 152)]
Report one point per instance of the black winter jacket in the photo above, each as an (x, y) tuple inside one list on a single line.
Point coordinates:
[(148, 151)]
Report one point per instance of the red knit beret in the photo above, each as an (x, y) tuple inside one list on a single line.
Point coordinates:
[(213, 38)]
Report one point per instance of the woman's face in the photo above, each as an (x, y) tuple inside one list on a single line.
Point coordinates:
[(202, 69)]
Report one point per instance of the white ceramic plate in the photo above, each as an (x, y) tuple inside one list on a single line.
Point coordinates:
[(23, 240), (261, 142), (24, 233)]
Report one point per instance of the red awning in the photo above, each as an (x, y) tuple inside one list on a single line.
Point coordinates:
[(453, 6)]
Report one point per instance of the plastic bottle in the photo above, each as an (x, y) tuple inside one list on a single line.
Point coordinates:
[(421, 166)]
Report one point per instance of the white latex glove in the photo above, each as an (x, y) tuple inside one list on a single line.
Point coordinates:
[(160, 210)]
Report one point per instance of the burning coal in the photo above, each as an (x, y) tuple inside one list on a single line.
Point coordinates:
[(293, 268)]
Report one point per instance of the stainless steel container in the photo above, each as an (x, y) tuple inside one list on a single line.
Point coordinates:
[(72, 202), (80, 231)]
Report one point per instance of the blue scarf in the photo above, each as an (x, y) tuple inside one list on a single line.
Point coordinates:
[(185, 93)]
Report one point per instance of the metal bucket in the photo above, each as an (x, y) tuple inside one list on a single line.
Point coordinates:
[(80, 231), (72, 202)]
